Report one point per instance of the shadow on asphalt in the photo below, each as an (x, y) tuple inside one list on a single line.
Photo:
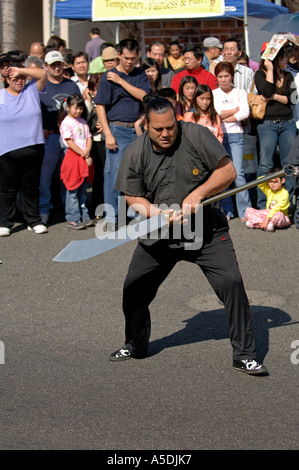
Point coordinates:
[(212, 325)]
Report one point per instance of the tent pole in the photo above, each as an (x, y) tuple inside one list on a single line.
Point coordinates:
[(246, 28), (53, 17)]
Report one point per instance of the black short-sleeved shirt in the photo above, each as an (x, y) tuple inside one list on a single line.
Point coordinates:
[(167, 178)]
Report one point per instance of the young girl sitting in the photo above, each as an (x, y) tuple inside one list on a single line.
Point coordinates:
[(275, 214), (77, 162), (204, 112)]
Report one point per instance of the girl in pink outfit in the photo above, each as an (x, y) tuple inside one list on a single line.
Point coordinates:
[(276, 213), (204, 112), (77, 163)]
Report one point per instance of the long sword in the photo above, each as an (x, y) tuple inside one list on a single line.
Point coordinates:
[(80, 250)]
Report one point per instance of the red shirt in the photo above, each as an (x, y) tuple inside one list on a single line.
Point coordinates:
[(202, 76)]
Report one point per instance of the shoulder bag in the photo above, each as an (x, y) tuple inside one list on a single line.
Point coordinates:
[(256, 104)]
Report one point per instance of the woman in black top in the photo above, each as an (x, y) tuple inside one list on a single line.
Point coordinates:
[(278, 127)]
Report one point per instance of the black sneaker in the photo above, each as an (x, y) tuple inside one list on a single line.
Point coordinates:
[(121, 354), (250, 366)]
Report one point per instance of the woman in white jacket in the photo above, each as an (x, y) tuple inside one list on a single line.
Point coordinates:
[(232, 106)]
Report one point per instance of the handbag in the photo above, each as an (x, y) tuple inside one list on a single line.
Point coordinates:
[(256, 104)]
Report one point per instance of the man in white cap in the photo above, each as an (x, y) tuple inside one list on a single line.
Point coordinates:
[(212, 48), (56, 91)]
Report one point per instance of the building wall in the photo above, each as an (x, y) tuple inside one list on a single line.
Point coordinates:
[(192, 31), (30, 23)]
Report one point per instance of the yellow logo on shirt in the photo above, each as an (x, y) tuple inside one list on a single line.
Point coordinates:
[(195, 171)]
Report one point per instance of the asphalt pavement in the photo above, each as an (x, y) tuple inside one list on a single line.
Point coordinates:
[(61, 321)]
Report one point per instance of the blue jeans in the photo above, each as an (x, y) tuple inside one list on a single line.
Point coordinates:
[(53, 154), (233, 143), (75, 200), (270, 134), (123, 136)]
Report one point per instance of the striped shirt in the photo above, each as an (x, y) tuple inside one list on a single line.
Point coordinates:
[(243, 77)]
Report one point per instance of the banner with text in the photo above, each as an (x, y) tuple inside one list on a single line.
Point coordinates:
[(112, 10)]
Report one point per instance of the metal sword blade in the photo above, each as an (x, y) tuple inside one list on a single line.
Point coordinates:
[(84, 249), (80, 250)]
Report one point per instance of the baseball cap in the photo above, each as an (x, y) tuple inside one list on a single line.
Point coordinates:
[(109, 53), (264, 47), (53, 56), (212, 42)]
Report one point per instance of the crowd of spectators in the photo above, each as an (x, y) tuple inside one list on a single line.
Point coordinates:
[(207, 84)]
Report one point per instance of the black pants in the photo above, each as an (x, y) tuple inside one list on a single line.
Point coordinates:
[(19, 173), (151, 265)]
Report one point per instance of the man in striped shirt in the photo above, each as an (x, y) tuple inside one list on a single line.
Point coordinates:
[(243, 75)]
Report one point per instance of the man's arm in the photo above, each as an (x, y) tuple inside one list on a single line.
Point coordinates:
[(219, 180), (137, 93), (102, 116)]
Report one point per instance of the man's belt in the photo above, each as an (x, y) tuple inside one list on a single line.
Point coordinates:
[(123, 124)]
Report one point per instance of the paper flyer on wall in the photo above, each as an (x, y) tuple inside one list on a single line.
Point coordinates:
[(277, 42)]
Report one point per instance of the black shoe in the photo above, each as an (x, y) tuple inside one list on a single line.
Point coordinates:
[(121, 354), (250, 366)]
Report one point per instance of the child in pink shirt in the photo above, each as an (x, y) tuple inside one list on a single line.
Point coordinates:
[(204, 112), (77, 162)]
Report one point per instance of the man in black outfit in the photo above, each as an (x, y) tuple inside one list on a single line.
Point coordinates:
[(178, 163)]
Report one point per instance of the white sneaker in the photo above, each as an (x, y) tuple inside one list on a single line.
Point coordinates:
[(4, 231), (38, 229)]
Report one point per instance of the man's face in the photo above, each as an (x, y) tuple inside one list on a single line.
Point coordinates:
[(110, 64), (231, 52), (162, 129), (157, 52), (214, 52), (127, 60), (55, 70), (37, 50), (80, 66), (191, 63)]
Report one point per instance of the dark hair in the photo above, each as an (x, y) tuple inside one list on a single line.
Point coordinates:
[(149, 63), (244, 56), (94, 80), (157, 105), (224, 66), (175, 43), (278, 56), (67, 55), (182, 100), (197, 51), (17, 56), (104, 45), (274, 170), (200, 90), (166, 93), (157, 42), (233, 40), (95, 31), (56, 42), (130, 44), (70, 100), (79, 54)]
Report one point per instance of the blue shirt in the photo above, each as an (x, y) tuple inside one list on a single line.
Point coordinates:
[(51, 98), (20, 119), (119, 104)]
